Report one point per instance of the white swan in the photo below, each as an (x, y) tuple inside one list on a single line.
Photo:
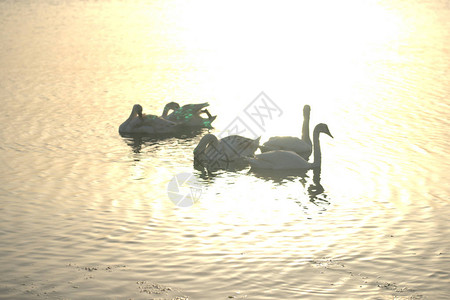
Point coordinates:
[(211, 149), (288, 160), (146, 124), (189, 114), (302, 147)]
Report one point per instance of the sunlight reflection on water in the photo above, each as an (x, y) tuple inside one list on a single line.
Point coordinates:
[(89, 209)]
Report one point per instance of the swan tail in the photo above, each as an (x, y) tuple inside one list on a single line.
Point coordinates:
[(207, 122), (195, 107)]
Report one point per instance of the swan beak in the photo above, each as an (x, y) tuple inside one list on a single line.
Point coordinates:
[(327, 131)]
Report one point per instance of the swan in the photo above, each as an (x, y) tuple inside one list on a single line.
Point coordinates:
[(189, 114), (146, 124), (211, 149), (302, 147), (289, 160)]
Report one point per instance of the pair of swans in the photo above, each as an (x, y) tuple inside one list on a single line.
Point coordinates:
[(290, 160), (181, 117), (290, 153), (278, 153)]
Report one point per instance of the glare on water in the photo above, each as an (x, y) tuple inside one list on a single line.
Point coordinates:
[(86, 212)]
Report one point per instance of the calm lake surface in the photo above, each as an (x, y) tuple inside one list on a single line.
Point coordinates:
[(85, 213)]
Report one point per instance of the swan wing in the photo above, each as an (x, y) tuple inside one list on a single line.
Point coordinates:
[(162, 125), (194, 107), (236, 146), (288, 143), (187, 112)]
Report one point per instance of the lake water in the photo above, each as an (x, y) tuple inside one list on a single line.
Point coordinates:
[(85, 213)]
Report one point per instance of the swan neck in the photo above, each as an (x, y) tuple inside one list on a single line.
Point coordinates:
[(305, 130), (317, 154), (204, 143), (132, 115), (165, 111)]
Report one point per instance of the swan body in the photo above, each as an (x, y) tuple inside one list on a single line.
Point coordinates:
[(230, 148), (289, 160), (279, 160), (189, 114), (146, 124), (302, 147)]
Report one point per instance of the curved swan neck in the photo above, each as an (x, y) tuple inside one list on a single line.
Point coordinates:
[(204, 142), (305, 127), (134, 112), (165, 111), (170, 106)]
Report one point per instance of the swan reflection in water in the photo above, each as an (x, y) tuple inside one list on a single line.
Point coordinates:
[(311, 197), (216, 167), (137, 141), (313, 189)]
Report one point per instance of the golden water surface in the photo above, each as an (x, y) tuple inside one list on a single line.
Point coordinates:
[(85, 214)]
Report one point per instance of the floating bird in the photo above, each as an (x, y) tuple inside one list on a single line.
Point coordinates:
[(289, 160), (189, 114), (302, 147), (146, 124), (210, 149)]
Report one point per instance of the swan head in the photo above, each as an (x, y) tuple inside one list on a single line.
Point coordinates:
[(323, 128), (306, 110), (137, 109), (172, 105)]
